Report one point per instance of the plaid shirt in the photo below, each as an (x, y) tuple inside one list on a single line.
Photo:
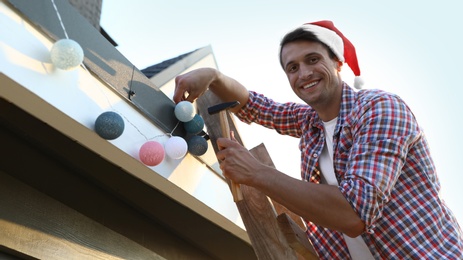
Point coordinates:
[(384, 169)]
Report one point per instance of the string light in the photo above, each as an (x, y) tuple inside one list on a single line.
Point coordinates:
[(109, 125), (184, 111), (176, 147), (197, 145), (67, 54), (151, 153), (194, 126)]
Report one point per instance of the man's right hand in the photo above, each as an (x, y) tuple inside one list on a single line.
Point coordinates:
[(193, 84)]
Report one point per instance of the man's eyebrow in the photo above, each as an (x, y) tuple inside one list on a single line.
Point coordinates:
[(305, 56), (288, 63)]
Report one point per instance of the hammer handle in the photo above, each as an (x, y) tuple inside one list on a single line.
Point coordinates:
[(235, 188)]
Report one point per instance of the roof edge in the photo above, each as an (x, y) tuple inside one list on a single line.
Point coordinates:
[(181, 65)]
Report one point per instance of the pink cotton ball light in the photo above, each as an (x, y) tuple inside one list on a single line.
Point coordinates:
[(151, 153)]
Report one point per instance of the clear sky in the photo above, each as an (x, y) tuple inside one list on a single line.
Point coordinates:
[(411, 48)]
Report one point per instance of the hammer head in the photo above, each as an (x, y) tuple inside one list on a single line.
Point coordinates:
[(223, 106)]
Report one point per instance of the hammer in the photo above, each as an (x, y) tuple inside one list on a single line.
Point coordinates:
[(222, 110)]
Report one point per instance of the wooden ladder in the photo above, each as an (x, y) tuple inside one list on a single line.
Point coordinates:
[(274, 231)]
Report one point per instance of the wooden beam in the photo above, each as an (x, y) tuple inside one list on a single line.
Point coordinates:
[(40, 227), (256, 210), (264, 157), (212, 122), (290, 225), (296, 237)]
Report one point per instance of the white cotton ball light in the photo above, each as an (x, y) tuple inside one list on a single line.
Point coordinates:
[(184, 111), (176, 147), (66, 54)]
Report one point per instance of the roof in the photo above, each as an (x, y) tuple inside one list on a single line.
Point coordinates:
[(162, 73), (153, 70)]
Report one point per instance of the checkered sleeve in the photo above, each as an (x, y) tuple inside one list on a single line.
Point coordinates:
[(383, 130), (285, 118)]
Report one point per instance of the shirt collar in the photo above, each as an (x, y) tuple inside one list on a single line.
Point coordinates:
[(347, 102)]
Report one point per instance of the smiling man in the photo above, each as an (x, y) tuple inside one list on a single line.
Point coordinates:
[(369, 188)]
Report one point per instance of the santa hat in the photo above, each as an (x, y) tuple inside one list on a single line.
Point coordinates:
[(327, 33)]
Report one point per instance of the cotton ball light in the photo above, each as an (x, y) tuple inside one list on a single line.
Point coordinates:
[(151, 153), (184, 111), (195, 125), (176, 147), (109, 125), (197, 145), (66, 54)]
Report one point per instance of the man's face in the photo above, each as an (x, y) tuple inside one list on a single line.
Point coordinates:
[(313, 75)]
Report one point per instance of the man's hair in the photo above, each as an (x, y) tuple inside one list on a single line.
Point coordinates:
[(300, 34)]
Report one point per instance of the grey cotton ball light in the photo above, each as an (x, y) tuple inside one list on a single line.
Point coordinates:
[(109, 125)]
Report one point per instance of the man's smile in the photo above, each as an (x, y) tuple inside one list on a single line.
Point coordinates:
[(311, 84)]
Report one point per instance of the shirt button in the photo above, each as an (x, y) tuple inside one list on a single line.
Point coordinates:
[(315, 155)]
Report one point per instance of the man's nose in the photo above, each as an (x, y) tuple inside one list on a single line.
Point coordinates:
[(305, 72)]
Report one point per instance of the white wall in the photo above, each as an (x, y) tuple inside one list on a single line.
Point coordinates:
[(24, 57)]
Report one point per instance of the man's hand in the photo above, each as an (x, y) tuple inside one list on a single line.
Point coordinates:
[(193, 84), (237, 163)]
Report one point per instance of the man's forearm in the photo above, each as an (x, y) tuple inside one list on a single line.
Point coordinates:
[(321, 204), (229, 89)]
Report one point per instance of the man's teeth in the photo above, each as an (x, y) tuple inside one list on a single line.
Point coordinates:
[(310, 85)]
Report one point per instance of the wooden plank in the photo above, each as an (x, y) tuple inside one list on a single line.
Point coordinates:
[(296, 237), (36, 225), (257, 212), (290, 224), (264, 157), (255, 209), (212, 122), (263, 229)]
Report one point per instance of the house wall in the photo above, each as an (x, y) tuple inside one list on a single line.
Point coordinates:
[(70, 101), (82, 97), (38, 226), (44, 158)]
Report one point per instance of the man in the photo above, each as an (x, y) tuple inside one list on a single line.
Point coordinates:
[(369, 187)]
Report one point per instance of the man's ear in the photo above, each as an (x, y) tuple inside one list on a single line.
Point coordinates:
[(339, 65)]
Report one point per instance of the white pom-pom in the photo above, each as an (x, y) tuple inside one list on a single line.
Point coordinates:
[(184, 111), (66, 54), (176, 147), (358, 82)]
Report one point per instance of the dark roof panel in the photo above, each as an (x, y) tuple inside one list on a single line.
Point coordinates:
[(153, 70)]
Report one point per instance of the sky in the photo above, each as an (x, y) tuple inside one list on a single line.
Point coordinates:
[(410, 48)]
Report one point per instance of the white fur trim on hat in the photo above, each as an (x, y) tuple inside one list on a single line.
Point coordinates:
[(327, 33), (328, 37)]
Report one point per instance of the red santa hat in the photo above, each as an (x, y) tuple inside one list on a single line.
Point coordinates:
[(327, 33)]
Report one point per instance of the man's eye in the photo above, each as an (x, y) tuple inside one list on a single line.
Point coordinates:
[(292, 68), (313, 60)]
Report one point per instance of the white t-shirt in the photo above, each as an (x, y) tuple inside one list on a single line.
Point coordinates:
[(357, 247)]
